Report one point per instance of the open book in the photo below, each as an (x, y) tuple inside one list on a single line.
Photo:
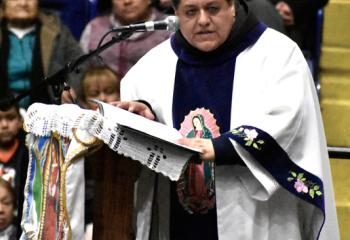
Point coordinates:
[(150, 142), (138, 123)]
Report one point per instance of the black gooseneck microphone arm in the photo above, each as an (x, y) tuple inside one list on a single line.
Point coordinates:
[(58, 79)]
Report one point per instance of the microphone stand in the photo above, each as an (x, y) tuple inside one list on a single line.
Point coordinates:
[(59, 78)]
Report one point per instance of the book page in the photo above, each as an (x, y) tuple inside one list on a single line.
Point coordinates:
[(142, 124)]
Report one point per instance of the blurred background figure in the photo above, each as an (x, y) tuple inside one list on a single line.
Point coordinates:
[(33, 44), (121, 56), (165, 3), (265, 11), (100, 82), (299, 17), (13, 151), (164, 6), (7, 211)]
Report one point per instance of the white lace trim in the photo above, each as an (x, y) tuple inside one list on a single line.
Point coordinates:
[(161, 157)]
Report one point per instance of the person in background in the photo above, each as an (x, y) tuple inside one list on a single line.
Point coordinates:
[(101, 83), (164, 6), (121, 56), (7, 211), (299, 17), (269, 176), (33, 44), (13, 151), (165, 3), (265, 11)]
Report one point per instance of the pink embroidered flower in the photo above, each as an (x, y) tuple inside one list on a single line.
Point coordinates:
[(251, 134), (300, 186)]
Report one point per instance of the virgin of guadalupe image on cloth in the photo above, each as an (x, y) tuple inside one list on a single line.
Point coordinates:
[(196, 186)]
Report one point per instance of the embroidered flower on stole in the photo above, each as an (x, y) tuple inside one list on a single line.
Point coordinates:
[(302, 185), (249, 136)]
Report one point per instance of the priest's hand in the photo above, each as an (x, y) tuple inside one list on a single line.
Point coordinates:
[(139, 108), (203, 144)]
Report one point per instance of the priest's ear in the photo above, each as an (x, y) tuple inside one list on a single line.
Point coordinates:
[(234, 5)]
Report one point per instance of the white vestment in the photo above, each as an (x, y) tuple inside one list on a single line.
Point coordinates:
[(273, 91)]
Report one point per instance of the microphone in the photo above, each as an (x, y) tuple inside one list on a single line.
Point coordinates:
[(171, 23)]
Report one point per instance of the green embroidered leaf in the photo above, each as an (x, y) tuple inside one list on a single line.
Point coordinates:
[(241, 129), (261, 142), (303, 179), (312, 193), (290, 179), (249, 143), (256, 146), (293, 174), (300, 176), (318, 193), (234, 131), (316, 187)]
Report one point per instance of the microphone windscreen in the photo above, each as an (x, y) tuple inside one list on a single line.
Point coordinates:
[(173, 23)]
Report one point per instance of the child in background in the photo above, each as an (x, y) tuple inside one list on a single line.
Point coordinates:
[(100, 82), (7, 209), (13, 152)]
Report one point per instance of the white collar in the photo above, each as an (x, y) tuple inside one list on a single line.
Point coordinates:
[(20, 32)]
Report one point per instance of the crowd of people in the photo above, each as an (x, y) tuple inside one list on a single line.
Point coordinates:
[(217, 41)]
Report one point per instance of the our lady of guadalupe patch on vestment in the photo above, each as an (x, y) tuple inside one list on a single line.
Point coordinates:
[(196, 186)]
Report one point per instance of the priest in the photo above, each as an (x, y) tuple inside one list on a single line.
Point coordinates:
[(243, 94)]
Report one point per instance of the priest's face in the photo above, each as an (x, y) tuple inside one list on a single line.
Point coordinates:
[(206, 24)]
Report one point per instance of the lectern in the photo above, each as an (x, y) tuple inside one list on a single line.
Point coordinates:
[(114, 190), (59, 139)]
